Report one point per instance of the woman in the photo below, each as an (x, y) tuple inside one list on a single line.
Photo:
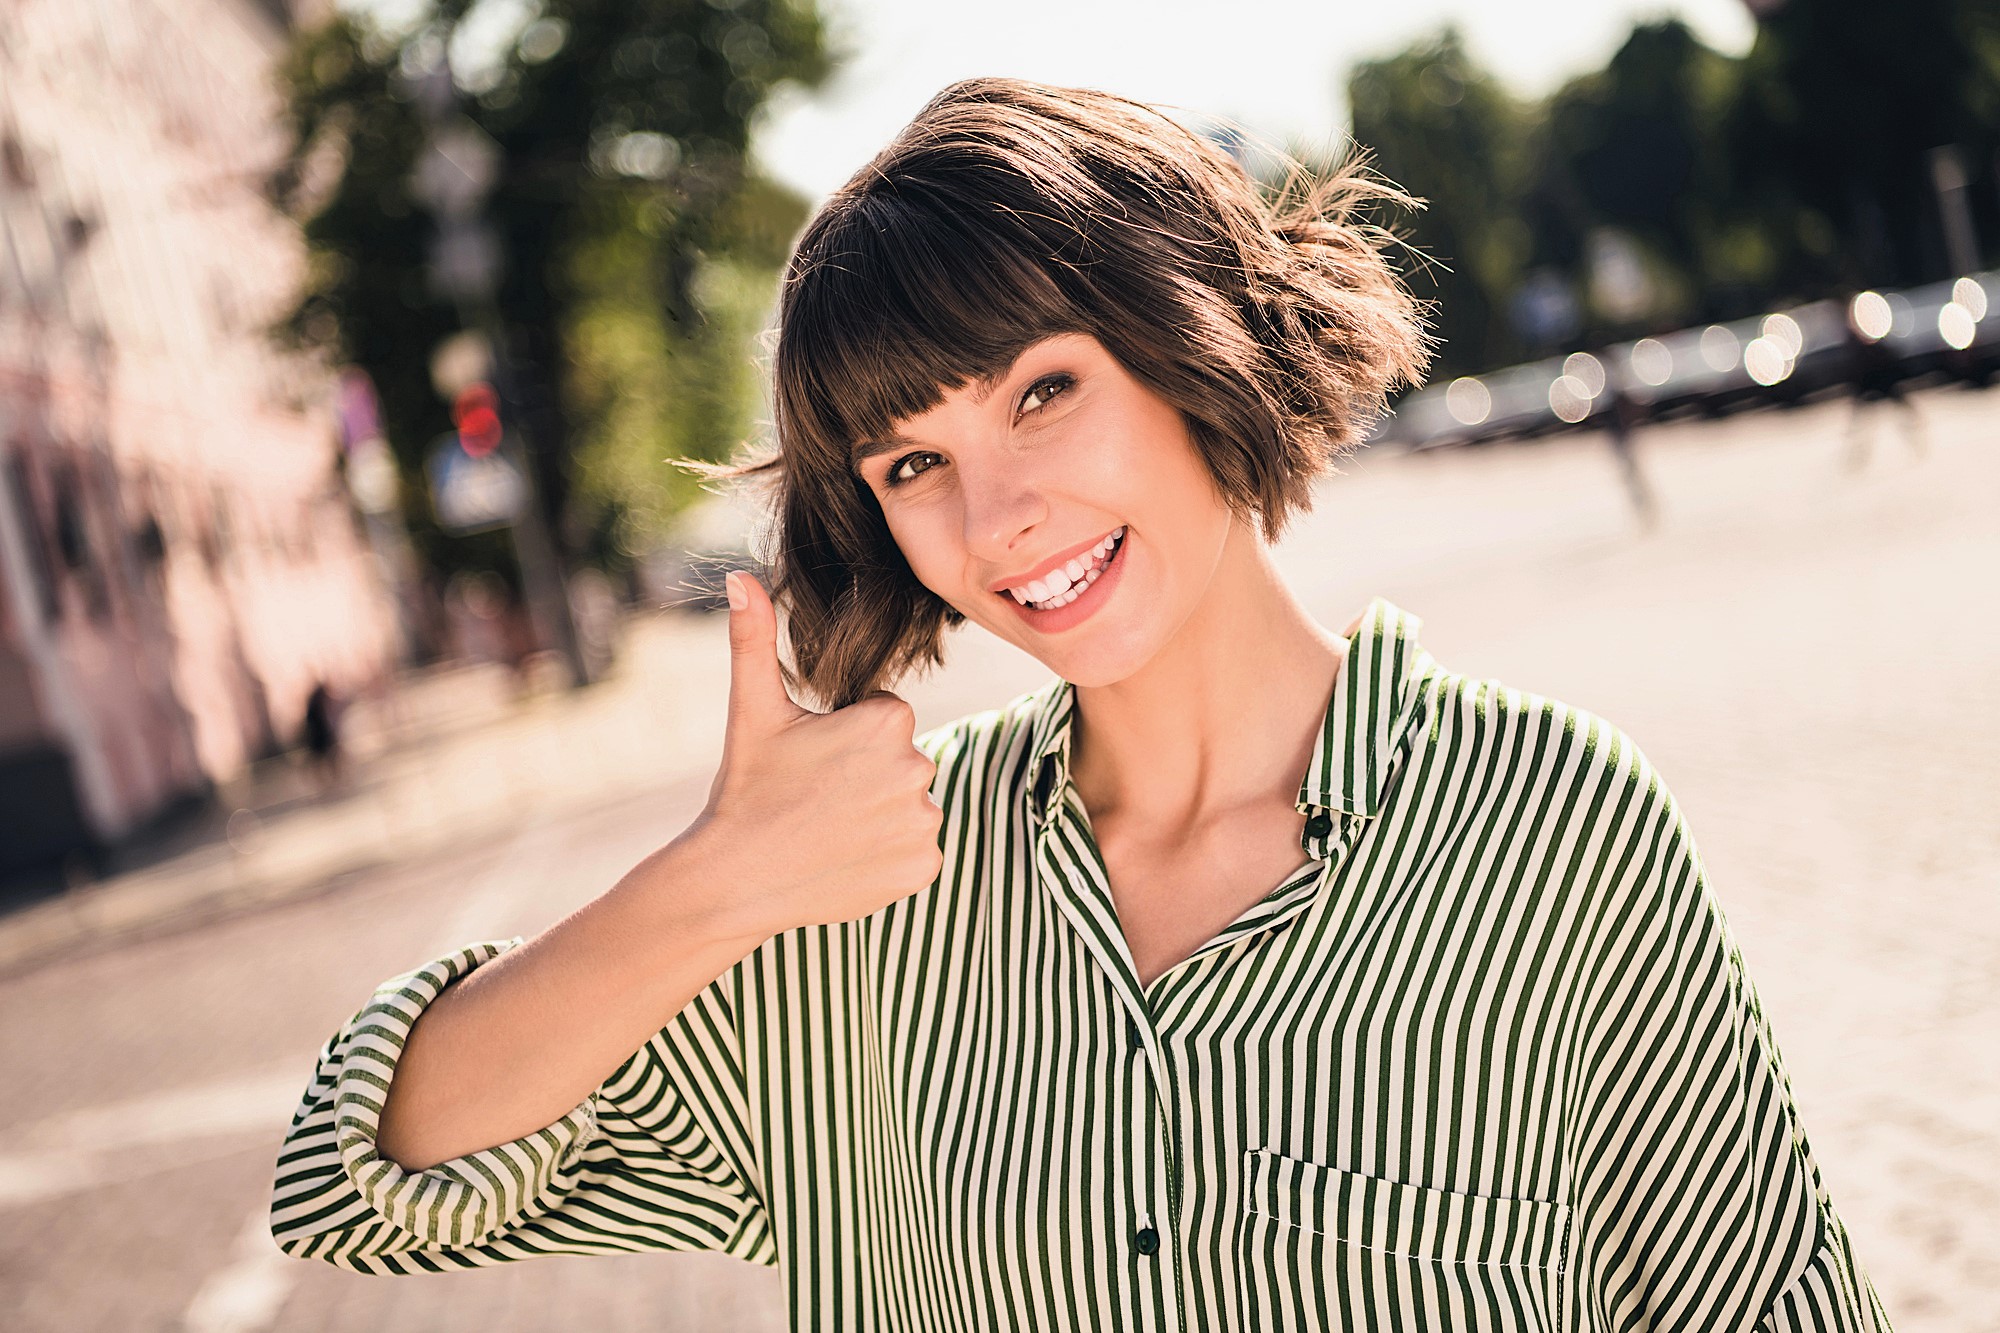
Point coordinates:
[(1245, 975)]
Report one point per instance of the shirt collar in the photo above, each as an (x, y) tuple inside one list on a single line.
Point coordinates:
[(1349, 765)]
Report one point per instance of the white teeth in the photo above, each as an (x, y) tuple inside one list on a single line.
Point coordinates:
[(1064, 585)]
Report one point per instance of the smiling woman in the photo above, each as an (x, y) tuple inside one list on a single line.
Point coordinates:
[(1246, 975), (1269, 327)]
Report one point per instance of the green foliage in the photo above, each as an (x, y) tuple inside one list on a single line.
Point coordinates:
[(1731, 185), (650, 389), (1636, 147), (1837, 107), (1446, 131), (639, 242)]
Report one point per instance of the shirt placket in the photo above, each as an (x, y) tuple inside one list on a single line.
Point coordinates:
[(1154, 1190), (1151, 1226), (1328, 837), (1147, 1231)]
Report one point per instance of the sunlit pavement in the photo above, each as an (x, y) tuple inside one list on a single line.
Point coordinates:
[(1806, 654), (451, 755)]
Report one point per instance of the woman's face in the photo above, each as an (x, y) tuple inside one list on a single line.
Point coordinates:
[(985, 494)]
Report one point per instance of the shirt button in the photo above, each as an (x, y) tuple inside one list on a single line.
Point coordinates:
[(1320, 825), (1132, 1031), (1148, 1241)]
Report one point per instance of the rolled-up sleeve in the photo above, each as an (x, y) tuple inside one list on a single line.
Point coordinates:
[(1697, 1201), (653, 1159), (1831, 1294)]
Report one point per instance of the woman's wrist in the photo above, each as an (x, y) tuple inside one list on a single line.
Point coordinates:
[(701, 893)]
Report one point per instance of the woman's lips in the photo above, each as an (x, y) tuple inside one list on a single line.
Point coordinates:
[(1091, 552), (1071, 613)]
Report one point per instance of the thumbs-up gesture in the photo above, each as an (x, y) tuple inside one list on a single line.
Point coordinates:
[(825, 816)]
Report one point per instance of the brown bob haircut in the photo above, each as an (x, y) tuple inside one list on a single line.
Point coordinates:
[(1007, 212)]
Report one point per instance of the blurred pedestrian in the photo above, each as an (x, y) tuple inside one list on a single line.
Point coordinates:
[(593, 607), (1875, 376), (320, 731), (1621, 419), (521, 645), (475, 603)]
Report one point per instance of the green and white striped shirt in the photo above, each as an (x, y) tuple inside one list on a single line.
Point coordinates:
[(1488, 1060)]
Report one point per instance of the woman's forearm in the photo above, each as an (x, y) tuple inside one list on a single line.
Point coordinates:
[(519, 1042)]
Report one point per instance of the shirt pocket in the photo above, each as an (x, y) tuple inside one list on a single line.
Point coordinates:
[(1322, 1248)]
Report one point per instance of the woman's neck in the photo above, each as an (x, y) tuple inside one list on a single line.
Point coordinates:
[(1224, 715)]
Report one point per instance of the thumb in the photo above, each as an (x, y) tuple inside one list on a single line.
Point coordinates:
[(756, 684)]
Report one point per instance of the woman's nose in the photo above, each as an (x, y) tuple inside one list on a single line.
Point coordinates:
[(1000, 504)]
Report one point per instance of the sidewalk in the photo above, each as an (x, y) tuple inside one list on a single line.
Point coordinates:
[(452, 757)]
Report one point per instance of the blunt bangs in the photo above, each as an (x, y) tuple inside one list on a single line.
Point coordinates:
[(906, 299)]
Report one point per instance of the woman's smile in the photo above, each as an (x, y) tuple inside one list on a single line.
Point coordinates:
[(1076, 600)]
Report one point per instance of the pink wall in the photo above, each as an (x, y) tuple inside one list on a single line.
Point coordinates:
[(138, 265)]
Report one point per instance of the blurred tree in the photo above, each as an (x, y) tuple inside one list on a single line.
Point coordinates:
[(648, 387), (1636, 149), (639, 244), (1838, 108), (1443, 129), (1709, 186)]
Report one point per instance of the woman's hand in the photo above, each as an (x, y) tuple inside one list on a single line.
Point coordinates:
[(821, 817)]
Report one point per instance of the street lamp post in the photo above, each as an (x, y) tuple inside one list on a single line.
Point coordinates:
[(454, 173)]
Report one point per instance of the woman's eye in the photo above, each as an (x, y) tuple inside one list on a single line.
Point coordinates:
[(1036, 398), (895, 477), (1045, 388)]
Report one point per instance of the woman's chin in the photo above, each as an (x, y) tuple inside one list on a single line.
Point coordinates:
[(1106, 659), (1100, 647)]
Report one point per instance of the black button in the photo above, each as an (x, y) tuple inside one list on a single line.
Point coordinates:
[(1148, 1240), (1320, 825), (1132, 1031)]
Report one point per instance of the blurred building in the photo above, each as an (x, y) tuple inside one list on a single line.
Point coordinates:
[(179, 557)]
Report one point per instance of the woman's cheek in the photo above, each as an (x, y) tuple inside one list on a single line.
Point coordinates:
[(1104, 473), (937, 556)]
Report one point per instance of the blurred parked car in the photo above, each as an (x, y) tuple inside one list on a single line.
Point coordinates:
[(1944, 327), (1948, 329)]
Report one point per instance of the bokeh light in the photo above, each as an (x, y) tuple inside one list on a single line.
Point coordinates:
[(1766, 362), (1871, 316), (1957, 326), (1468, 401), (1968, 293), (1586, 370), (1570, 398), (1720, 348), (1784, 331), (1902, 315), (1652, 362)]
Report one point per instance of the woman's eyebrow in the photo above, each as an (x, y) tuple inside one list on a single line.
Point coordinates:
[(867, 449), (982, 389)]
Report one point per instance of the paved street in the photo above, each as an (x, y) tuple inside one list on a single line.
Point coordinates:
[(1807, 655)]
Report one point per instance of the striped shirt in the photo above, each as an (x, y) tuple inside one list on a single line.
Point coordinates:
[(1489, 1059)]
